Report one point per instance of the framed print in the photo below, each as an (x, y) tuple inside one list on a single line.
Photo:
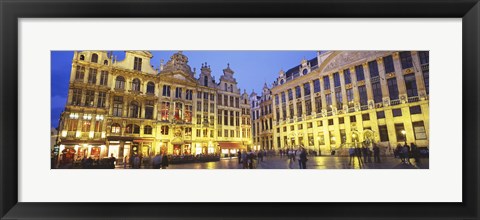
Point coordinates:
[(279, 109)]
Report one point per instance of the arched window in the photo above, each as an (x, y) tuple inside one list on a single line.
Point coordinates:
[(105, 62), (116, 129), (134, 109), (94, 58), (120, 82), (150, 88), (136, 85), (147, 129), (205, 81), (82, 57), (132, 129)]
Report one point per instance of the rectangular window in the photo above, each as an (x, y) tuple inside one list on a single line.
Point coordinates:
[(353, 118), (137, 64), (290, 95), (188, 113), (102, 96), (392, 88), (383, 133), (165, 111), (339, 100), (306, 89), (277, 101), (76, 97), (388, 64), (291, 111), (377, 92), (326, 82), (347, 76), (178, 93), (212, 108), (330, 121), (80, 73), (92, 76), (199, 95), (415, 110), (205, 106), (225, 117), (359, 73), (419, 130), (328, 98), (411, 85), (373, 68), (319, 123), (350, 96), (336, 79), (225, 100), (219, 99), (406, 59), (380, 114), (199, 106), (189, 94), (205, 96), (298, 93), (89, 96), (212, 97), (362, 91), (397, 112), (300, 126), (318, 104), (86, 126), (308, 106), (283, 97), (299, 109), (366, 117), (104, 78), (166, 91), (341, 120), (424, 57), (237, 103), (231, 101), (316, 85), (399, 129)]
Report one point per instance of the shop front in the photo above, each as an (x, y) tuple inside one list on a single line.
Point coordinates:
[(230, 149)]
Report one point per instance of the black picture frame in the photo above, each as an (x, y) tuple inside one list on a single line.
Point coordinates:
[(11, 11)]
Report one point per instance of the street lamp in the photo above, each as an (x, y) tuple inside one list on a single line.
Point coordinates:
[(404, 136)]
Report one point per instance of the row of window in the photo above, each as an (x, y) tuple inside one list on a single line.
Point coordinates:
[(410, 82), (92, 76), (93, 59)]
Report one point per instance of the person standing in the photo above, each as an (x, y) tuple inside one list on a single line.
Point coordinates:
[(244, 159), (136, 162), (164, 160), (298, 158), (376, 153), (303, 158), (406, 152), (351, 152), (239, 155), (112, 161)]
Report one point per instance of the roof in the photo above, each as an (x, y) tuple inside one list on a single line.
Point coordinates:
[(295, 70)]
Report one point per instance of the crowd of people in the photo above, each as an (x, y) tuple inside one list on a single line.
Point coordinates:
[(406, 152), (364, 154), (250, 159)]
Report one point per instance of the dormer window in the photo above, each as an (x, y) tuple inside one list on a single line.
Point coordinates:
[(105, 62), (94, 58), (137, 64), (82, 57), (305, 71), (205, 80)]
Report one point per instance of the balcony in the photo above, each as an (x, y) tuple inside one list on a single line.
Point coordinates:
[(351, 109), (364, 107), (395, 102), (97, 135), (71, 134), (375, 79), (413, 99), (119, 89), (330, 113), (299, 119)]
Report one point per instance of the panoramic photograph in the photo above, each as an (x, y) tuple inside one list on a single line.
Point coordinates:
[(239, 109)]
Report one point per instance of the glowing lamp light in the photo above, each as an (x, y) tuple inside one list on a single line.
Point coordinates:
[(64, 133), (403, 132)]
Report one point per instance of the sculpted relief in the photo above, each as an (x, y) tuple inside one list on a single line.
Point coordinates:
[(348, 57)]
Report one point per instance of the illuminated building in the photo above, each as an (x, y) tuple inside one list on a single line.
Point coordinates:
[(262, 119), (127, 107), (344, 98)]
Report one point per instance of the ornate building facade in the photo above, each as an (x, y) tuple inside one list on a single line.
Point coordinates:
[(262, 117), (344, 98), (128, 107)]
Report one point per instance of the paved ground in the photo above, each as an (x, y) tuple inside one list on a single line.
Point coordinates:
[(323, 162)]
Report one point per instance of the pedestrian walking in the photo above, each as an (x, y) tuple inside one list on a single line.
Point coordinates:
[(406, 154), (112, 161), (239, 154), (244, 159), (364, 153), (136, 162)]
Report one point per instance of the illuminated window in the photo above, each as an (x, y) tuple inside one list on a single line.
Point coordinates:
[(76, 96), (89, 96), (147, 129), (165, 111), (419, 130), (164, 130), (398, 131), (92, 76), (116, 129)]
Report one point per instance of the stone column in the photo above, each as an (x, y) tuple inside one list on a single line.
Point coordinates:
[(383, 78), (402, 91), (342, 87), (322, 93), (368, 83), (332, 92), (353, 75)]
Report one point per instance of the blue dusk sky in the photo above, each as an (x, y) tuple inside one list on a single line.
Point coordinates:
[(252, 69)]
